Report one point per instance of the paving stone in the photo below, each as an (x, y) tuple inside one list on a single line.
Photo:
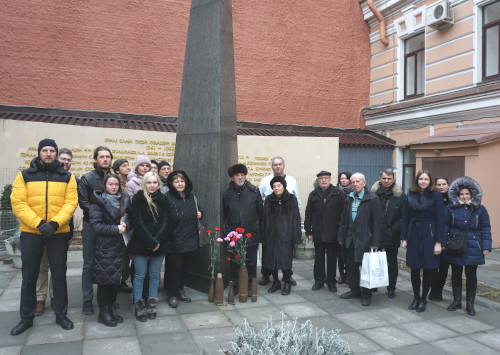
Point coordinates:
[(462, 324), (196, 307), (9, 320), (381, 352), (71, 347), (162, 309), (336, 306), (11, 293), (390, 337), (11, 350), (490, 317), (359, 344), (261, 314), (428, 330), (177, 343), (234, 316), (489, 338), (329, 323), (315, 296), (395, 315), (53, 333), (278, 299), (167, 324), (463, 345), (261, 302), (211, 341), (417, 349), (122, 345), (206, 320), (94, 330), (302, 310), (361, 320)]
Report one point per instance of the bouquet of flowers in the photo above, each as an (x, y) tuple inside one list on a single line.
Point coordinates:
[(213, 249), (236, 245)]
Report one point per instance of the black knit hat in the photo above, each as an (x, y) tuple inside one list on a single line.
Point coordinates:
[(280, 179), (47, 142), (162, 164), (117, 164), (154, 162), (237, 169)]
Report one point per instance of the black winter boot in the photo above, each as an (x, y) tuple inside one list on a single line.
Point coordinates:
[(457, 299), (182, 296), (106, 318), (151, 309), (415, 303), (470, 297), (275, 287), (140, 311), (113, 313)]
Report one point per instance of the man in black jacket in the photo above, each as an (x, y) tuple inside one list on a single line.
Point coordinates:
[(88, 183), (392, 198), (322, 220), (359, 232), (242, 206)]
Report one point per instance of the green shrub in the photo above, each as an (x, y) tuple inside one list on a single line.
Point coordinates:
[(287, 338)]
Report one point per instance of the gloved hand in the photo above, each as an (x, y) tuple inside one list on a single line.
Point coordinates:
[(47, 229)]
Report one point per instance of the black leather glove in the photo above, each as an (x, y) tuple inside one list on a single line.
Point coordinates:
[(47, 229)]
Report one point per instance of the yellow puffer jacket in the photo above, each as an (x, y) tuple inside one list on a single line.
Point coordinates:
[(44, 192)]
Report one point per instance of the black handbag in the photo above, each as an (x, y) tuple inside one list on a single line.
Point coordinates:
[(457, 245)]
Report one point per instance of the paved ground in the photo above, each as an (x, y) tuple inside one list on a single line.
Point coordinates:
[(385, 327)]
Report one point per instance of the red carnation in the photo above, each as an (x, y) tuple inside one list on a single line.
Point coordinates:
[(234, 239), (237, 256), (209, 231), (227, 258), (249, 235), (217, 229), (240, 230)]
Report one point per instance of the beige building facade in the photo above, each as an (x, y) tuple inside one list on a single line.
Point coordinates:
[(436, 81)]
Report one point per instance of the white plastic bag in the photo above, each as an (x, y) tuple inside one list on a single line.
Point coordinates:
[(374, 271)]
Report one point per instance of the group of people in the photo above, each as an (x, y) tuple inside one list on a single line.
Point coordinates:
[(150, 214)]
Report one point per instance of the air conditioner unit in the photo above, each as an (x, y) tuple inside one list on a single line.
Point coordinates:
[(440, 15)]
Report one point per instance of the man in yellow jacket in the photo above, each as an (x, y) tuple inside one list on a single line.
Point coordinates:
[(44, 198)]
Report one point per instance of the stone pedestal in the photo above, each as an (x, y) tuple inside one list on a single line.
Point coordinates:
[(206, 131)]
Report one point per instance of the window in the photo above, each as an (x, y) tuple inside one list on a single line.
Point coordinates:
[(491, 41), (414, 66)]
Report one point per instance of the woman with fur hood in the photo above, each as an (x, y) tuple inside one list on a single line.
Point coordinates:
[(465, 203), (281, 228), (422, 228)]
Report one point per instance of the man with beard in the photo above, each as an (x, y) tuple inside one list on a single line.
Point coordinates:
[(44, 198), (88, 183), (392, 199), (242, 207)]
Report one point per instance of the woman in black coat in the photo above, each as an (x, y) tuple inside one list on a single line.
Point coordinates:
[(281, 230), (149, 242), (422, 229), (110, 258), (184, 213), (344, 184)]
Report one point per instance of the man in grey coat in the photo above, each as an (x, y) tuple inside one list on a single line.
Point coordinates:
[(360, 231)]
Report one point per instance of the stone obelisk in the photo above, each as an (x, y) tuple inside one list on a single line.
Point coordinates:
[(206, 130)]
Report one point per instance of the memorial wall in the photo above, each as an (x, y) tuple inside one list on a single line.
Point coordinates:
[(304, 156)]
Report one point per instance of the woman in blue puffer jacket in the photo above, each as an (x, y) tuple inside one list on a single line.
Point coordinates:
[(464, 200)]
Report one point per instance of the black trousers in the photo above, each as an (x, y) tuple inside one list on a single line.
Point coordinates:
[(251, 265), (331, 250), (439, 278), (354, 274), (286, 275), (31, 255), (470, 276), (426, 282), (177, 267), (392, 266), (106, 294)]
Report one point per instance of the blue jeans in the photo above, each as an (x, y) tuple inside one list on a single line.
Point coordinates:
[(141, 266)]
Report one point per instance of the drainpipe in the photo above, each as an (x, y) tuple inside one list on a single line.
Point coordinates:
[(380, 18)]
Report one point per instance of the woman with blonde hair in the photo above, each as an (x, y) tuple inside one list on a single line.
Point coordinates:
[(149, 242)]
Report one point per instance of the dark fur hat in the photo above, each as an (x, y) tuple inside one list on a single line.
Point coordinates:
[(237, 169), (280, 179)]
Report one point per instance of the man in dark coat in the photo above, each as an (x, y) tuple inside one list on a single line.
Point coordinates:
[(242, 207), (392, 199), (89, 183), (359, 232), (322, 221)]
